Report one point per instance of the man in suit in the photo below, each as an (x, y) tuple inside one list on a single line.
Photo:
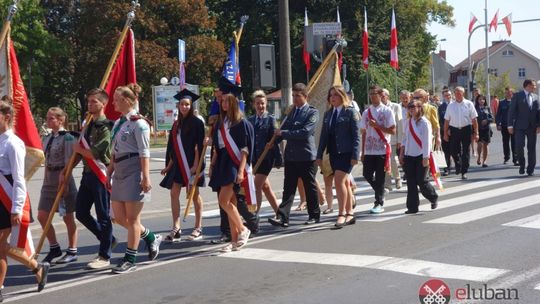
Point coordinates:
[(502, 125), (441, 110), (524, 121), (299, 155)]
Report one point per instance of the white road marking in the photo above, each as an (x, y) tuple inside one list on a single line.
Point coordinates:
[(528, 222), (408, 266), (480, 213)]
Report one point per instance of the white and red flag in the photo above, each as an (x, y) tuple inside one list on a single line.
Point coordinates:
[(306, 56), (508, 23), (123, 73), (394, 62), (494, 21), (472, 22), (365, 43)]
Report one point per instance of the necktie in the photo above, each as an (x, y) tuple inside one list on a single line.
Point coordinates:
[(49, 145), (333, 119), (295, 113), (122, 120)]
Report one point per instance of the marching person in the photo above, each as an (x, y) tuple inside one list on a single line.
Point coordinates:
[(58, 150), (264, 125), (14, 206), (377, 125), (230, 167), (460, 128), (415, 155), (341, 138), (94, 148), (300, 154), (184, 149), (130, 184), (441, 111), (395, 141), (524, 122), (484, 130), (509, 146)]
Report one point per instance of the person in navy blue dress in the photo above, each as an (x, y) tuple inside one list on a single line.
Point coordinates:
[(191, 132), (484, 120), (340, 136), (264, 125), (227, 174)]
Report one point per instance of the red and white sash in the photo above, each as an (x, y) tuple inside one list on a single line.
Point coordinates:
[(433, 168), (234, 153), (388, 153), (97, 166), (20, 234), (181, 155)]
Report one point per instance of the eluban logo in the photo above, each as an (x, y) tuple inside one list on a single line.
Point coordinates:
[(486, 293), (434, 292)]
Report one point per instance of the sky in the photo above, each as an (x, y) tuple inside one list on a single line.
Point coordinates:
[(524, 35)]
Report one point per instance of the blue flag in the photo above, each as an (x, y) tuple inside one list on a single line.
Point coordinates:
[(231, 70)]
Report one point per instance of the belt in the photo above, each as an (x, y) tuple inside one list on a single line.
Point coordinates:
[(467, 126), (127, 156), (54, 168)]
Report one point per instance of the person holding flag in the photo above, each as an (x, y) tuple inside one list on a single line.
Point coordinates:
[(377, 125), (15, 205), (415, 157), (130, 184), (184, 147)]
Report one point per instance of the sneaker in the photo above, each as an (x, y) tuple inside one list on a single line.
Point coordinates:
[(243, 239), (124, 267), (174, 236), (68, 258), (377, 209), (153, 249), (53, 254), (195, 235), (98, 263)]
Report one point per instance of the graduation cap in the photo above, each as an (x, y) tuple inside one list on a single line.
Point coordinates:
[(226, 87), (186, 94)]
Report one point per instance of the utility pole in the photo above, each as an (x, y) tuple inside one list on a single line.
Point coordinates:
[(285, 54), (488, 97)]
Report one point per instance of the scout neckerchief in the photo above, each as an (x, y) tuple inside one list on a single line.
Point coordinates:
[(234, 153), (96, 165), (381, 136), (180, 154), (433, 168), (20, 234)]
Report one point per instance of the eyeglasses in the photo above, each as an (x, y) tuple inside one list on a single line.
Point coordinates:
[(417, 97)]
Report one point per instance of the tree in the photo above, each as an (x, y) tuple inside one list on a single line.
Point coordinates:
[(497, 83)]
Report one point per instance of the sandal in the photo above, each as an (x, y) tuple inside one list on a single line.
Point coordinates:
[(196, 234), (301, 207), (174, 236), (351, 221), (328, 210), (340, 225)]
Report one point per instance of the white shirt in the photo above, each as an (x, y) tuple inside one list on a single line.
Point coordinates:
[(422, 128), (460, 114), (12, 154), (384, 117), (398, 117)]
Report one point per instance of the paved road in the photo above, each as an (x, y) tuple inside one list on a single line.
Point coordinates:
[(485, 231)]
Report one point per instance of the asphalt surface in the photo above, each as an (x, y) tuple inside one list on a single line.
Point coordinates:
[(485, 232)]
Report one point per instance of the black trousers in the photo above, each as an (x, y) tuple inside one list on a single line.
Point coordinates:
[(374, 174), (508, 142), (520, 135), (305, 170), (460, 147), (252, 219), (417, 178), (445, 145)]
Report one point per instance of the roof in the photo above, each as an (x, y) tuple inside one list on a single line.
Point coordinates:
[(480, 55), (274, 95)]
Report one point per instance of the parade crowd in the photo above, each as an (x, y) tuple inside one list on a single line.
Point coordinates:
[(415, 134)]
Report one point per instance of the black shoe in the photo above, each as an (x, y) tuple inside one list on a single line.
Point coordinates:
[(124, 267), (411, 212), (506, 160), (445, 172), (351, 221), (530, 174), (458, 172), (521, 170), (44, 273), (340, 225), (53, 254), (516, 163), (312, 221), (223, 239), (434, 205), (278, 222), (464, 176)]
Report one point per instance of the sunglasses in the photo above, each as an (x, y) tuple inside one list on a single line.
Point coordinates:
[(417, 97)]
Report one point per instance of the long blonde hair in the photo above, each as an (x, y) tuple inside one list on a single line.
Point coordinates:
[(341, 92)]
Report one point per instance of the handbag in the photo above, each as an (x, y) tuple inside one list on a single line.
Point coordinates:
[(440, 160)]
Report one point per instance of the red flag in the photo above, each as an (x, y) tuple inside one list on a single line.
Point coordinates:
[(494, 21), (508, 23), (23, 123), (307, 58), (365, 43), (122, 73), (472, 22), (394, 62)]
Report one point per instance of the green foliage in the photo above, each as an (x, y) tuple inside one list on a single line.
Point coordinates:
[(496, 83)]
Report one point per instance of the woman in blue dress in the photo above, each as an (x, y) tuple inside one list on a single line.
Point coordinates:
[(185, 139), (233, 146), (484, 133)]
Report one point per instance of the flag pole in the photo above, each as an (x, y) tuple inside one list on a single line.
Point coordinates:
[(237, 35), (69, 169), (12, 9)]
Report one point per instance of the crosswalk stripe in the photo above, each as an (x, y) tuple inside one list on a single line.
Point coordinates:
[(401, 265), (387, 216), (537, 287), (476, 214), (528, 222)]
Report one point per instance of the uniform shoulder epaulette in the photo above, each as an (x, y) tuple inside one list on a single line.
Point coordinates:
[(106, 122), (312, 107), (72, 133), (139, 116)]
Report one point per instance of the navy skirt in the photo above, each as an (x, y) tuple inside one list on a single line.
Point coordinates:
[(341, 162), (265, 167), (224, 172), (175, 176)]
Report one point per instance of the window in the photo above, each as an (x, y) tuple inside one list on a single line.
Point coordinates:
[(508, 53), (521, 73), (493, 72)]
